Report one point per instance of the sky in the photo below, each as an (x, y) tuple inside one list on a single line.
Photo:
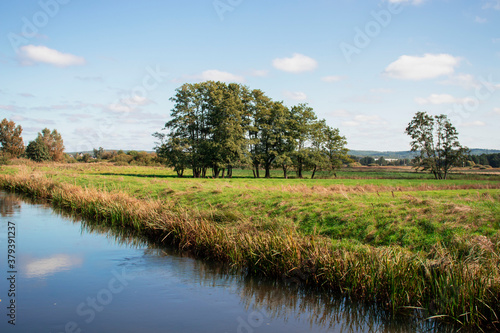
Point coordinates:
[(102, 72)]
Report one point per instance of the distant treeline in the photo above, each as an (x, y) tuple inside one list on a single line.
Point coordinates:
[(217, 126), (118, 157), (492, 160)]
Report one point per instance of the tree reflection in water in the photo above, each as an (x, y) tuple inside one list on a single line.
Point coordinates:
[(9, 204)]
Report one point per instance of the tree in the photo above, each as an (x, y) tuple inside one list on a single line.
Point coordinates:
[(367, 160), (54, 143), (381, 161), (37, 150), (172, 152), (436, 139), (303, 121), (335, 148), (273, 135), (11, 139), (98, 153)]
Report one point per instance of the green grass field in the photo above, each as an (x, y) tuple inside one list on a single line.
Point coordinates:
[(392, 220), (400, 209)]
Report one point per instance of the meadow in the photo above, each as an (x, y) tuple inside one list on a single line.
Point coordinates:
[(387, 235)]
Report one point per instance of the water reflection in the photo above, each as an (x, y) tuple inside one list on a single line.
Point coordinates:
[(273, 299), (41, 268), (9, 204), (277, 299)]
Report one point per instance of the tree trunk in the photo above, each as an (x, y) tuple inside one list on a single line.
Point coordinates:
[(284, 172), (229, 172), (299, 172), (256, 171), (223, 172), (314, 172), (268, 171)]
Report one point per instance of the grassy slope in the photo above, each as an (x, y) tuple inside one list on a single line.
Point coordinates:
[(408, 211), (408, 240)]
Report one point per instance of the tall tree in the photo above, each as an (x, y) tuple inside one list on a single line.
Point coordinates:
[(303, 120), (11, 139), (54, 143), (273, 134), (436, 139), (172, 152)]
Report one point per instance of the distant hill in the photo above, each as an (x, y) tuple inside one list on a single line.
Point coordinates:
[(409, 154)]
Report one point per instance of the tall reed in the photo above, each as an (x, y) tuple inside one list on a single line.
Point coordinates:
[(465, 291)]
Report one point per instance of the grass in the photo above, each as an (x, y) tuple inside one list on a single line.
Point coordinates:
[(398, 241)]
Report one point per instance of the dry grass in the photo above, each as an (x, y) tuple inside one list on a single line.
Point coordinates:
[(466, 290)]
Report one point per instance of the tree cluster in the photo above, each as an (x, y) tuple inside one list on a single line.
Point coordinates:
[(217, 126), (48, 146), (492, 160)]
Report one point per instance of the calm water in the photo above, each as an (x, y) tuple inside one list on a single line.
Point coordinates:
[(72, 276)]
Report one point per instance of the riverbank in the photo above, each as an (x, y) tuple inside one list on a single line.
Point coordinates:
[(456, 278)]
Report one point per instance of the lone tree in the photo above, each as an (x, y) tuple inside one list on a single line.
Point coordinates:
[(10, 139), (437, 141)]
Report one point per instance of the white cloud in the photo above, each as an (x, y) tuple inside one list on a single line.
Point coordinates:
[(362, 119), (438, 99), (332, 78), (128, 104), (295, 95), (419, 68), (495, 4), (216, 75), (475, 123), (31, 54), (40, 268), (8, 107), (480, 19), (465, 81), (296, 64), (259, 72), (496, 110)]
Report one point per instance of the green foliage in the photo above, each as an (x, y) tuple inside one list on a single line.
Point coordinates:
[(54, 143), (219, 126), (436, 139), (38, 151), (11, 141), (492, 160)]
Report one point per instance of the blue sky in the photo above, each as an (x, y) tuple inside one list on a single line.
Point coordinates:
[(102, 72)]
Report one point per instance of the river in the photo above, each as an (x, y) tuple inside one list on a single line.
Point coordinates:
[(63, 274)]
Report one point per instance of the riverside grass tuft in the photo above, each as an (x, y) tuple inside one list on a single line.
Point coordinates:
[(459, 282)]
